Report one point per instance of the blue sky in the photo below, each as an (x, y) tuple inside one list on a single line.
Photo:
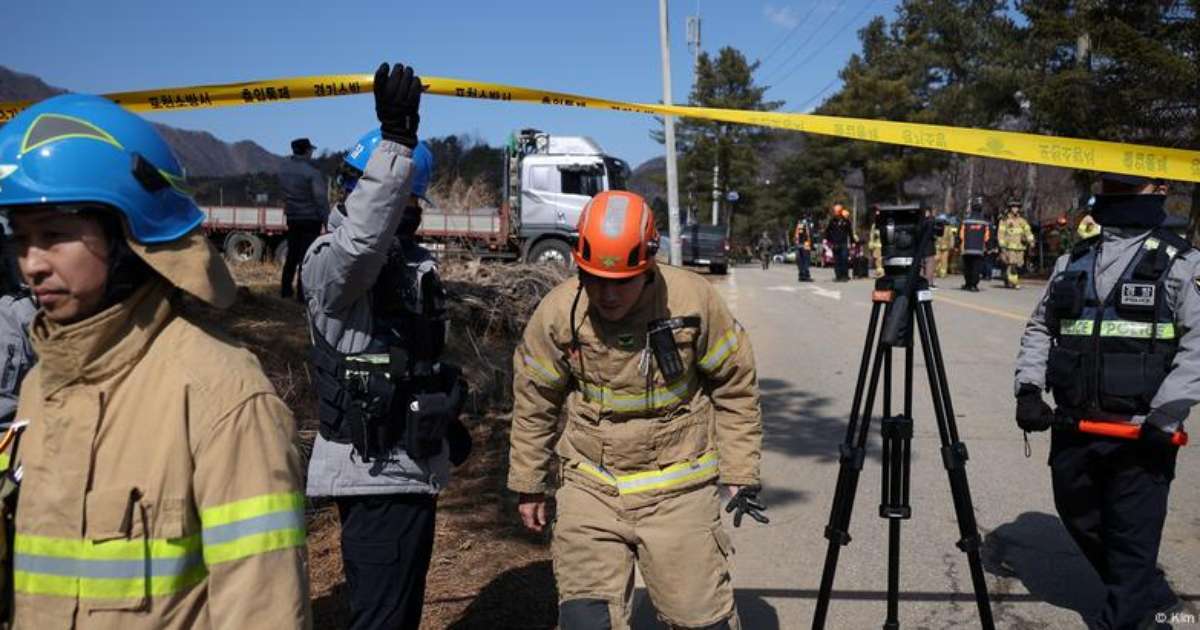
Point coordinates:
[(605, 49)]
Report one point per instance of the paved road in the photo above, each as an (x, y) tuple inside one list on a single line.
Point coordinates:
[(808, 341)]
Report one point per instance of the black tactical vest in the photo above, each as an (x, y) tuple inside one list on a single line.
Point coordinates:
[(1110, 356), (974, 237), (376, 399)]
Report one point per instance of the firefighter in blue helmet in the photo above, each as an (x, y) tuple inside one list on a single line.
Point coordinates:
[(156, 480), (1116, 339), (389, 405)]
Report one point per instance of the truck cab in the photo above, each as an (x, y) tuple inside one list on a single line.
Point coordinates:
[(549, 180)]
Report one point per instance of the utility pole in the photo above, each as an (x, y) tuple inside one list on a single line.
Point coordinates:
[(693, 39), (716, 193), (693, 42), (676, 256)]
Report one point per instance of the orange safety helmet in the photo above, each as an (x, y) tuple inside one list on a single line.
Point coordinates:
[(617, 236)]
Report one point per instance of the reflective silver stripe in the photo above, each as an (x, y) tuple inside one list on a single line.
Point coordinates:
[(658, 480), (290, 519), (659, 397), (117, 569), (549, 377), (716, 356), (372, 359)]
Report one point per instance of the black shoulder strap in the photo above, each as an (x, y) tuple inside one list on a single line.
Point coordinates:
[(1174, 240), (1084, 246)]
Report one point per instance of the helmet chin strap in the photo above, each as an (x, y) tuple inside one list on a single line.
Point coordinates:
[(127, 272)]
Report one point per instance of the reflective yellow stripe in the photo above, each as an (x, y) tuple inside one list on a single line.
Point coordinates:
[(658, 398), (542, 372), (250, 508), (1075, 327), (253, 526), (4, 461), (1118, 328), (720, 351), (674, 475), (120, 549)]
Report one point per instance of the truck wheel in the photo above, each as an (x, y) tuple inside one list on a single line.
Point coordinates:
[(281, 252), (241, 247), (719, 270), (552, 251)]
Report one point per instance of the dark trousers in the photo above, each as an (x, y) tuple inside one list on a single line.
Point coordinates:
[(387, 542), (841, 262), (971, 267), (300, 236), (802, 256), (1112, 497)]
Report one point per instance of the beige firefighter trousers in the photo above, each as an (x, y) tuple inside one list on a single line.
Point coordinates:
[(678, 543)]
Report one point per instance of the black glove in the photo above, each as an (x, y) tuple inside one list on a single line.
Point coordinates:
[(1154, 436), (1033, 414), (746, 501), (397, 101)]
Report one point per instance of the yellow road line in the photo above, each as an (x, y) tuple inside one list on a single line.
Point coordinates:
[(983, 309)]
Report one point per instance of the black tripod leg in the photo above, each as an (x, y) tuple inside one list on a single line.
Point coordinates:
[(852, 454), (954, 458), (896, 432)]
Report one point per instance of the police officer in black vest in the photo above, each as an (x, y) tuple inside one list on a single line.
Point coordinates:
[(973, 236), (1116, 339)]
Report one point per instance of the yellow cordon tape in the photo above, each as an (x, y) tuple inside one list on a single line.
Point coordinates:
[(1095, 155)]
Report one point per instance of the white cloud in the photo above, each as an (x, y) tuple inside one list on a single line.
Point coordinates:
[(781, 16)]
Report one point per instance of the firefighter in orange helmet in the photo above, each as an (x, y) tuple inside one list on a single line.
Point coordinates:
[(657, 384)]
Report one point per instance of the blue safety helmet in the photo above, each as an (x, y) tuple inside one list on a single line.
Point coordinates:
[(355, 163), (81, 149)]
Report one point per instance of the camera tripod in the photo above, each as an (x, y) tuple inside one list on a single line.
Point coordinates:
[(901, 299)]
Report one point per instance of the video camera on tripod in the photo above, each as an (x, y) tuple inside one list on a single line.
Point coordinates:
[(901, 299), (900, 233)]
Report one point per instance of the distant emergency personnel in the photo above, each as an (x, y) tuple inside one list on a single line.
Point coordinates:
[(1015, 237), (945, 245), (803, 241), (875, 244), (158, 477), (840, 234), (655, 381), (1064, 234), (762, 248), (973, 237), (1116, 339), (304, 206)]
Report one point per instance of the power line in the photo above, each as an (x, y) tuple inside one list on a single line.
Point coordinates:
[(836, 34), (801, 22), (805, 43), (800, 108)]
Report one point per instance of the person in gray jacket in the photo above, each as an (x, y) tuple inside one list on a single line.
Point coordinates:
[(16, 312), (1116, 338), (388, 405), (306, 210)]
